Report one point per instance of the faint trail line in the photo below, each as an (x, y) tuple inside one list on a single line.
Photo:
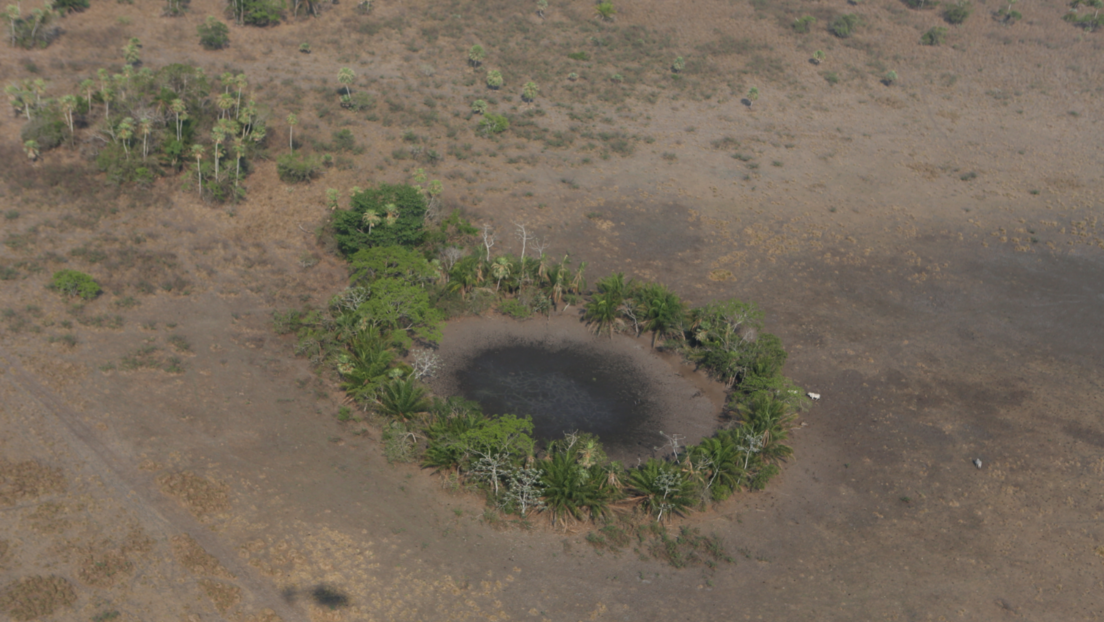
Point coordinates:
[(140, 493)]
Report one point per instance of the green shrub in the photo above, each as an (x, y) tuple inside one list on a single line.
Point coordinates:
[(957, 13), (1089, 22), (492, 124), (343, 140), (844, 25), (295, 168), (494, 79), (605, 10), (358, 102), (352, 231), (74, 283), (920, 4), (213, 34), (936, 36), (803, 24), (47, 131), (515, 309), (256, 12), (579, 56), (70, 6)]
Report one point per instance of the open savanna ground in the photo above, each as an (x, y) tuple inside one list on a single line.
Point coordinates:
[(928, 248)]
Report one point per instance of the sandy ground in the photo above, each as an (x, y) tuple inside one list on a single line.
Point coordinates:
[(943, 318)]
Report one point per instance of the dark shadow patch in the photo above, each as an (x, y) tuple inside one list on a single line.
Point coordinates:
[(328, 596)]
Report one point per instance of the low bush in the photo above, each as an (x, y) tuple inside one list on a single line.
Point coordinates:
[(936, 36), (74, 283), (70, 6), (213, 34), (492, 124), (802, 24), (958, 13), (844, 25), (46, 130), (297, 168)]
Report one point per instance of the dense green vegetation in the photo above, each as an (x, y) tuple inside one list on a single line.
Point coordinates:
[(406, 277)]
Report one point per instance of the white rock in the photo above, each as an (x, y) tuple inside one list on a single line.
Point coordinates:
[(814, 396), (977, 462)]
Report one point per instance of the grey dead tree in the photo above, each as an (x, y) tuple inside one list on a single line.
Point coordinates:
[(488, 239), (675, 441), (524, 235), (450, 256)]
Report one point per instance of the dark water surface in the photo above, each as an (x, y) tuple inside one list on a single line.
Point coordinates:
[(564, 390)]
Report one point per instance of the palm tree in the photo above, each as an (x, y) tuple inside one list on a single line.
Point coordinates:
[(529, 91), (818, 57), (391, 214), (494, 79), (572, 490), (371, 218), (86, 87), (403, 398), (239, 151), (240, 82), (225, 103), (11, 13), (662, 310), (197, 153), (500, 269), (718, 467), (68, 103), (292, 121), (31, 148), (752, 96), (181, 112), (476, 54), (146, 126), (603, 311), (346, 77), (126, 131), (218, 134)]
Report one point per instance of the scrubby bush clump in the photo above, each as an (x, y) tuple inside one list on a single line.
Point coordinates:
[(958, 12), (387, 215), (296, 168), (74, 283), (213, 34), (844, 25)]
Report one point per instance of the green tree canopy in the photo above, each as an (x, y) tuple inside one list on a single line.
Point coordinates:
[(353, 234), (389, 262)]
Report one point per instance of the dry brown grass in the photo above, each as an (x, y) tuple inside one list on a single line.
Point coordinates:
[(223, 595), (36, 596), (198, 562), (200, 495), (103, 568), (20, 481)]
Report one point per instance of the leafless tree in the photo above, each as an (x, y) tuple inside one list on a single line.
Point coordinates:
[(488, 239), (450, 256), (675, 441), (426, 363)]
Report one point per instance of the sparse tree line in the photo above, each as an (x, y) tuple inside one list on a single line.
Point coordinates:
[(408, 274), (151, 123)]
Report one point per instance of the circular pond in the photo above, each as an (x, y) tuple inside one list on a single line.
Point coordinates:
[(567, 380)]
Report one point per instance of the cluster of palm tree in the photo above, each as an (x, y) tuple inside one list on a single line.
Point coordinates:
[(644, 307), (546, 283), (572, 480), (171, 114)]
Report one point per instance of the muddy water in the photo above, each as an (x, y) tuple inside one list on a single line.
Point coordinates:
[(564, 390), (568, 380)]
